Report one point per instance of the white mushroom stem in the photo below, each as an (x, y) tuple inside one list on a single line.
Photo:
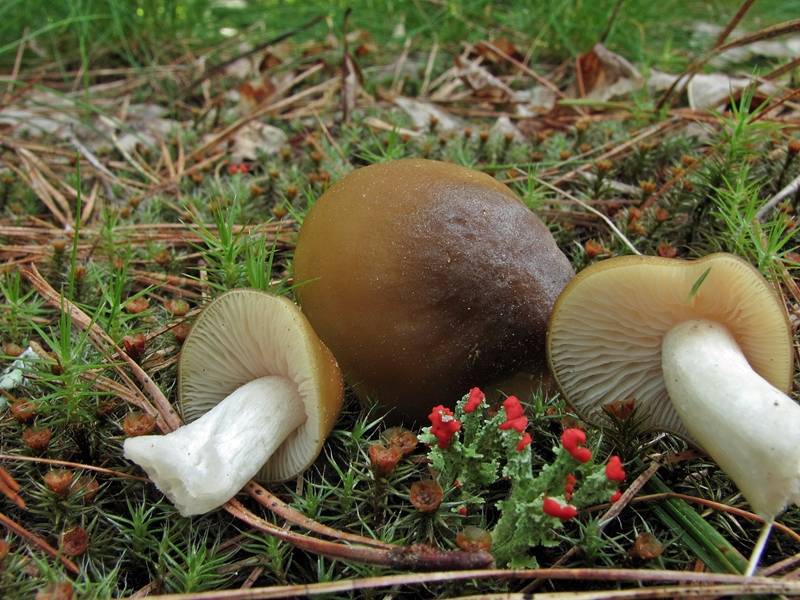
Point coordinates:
[(750, 428), (202, 465), (758, 549)]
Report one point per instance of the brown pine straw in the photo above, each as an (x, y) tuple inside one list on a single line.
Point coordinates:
[(73, 465), (672, 592), (38, 542), (766, 33), (10, 489), (361, 549), (529, 72), (783, 565), (737, 583)]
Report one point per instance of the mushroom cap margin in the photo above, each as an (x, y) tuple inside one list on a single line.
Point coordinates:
[(233, 342)]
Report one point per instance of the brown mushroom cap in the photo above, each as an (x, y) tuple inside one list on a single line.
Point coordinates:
[(246, 334), (604, 339), (425, 278)]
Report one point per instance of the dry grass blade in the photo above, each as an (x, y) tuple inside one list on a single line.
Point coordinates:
[(88, 207), (166, 417), (772, 75), (34, 539), (426, 80), (10, 488), (229, 131), (766, 33), (411, 558), (606, 575), (774, 105), (93, 160), (787, 191), (672, 591), (46, 170), (592, 210), (72, 465), (633, 489), (782, 565), (15, 70), (176, 234), (219, 67), (528, 71), (41, 188)]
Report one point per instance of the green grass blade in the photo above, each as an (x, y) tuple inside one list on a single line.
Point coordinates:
[(707, 543)]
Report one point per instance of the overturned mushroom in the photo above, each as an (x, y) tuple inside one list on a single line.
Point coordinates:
[(425, 278), (705, 349), (260, 393)]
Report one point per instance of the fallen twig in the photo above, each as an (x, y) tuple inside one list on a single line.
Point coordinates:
[(606, 575), (592, 210), (217, 68), (73, 465), (671, 591), (10, 488), (34, 539), (790, 189)]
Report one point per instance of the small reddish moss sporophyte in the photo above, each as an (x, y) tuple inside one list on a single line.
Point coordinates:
[(383, 460), (426, 495), (235, 168)]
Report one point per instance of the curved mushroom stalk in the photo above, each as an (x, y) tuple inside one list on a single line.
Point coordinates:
[(202, 465), (750, 428)]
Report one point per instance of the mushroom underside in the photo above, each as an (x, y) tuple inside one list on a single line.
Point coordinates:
[(606, 332)]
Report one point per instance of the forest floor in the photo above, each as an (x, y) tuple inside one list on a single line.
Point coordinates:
[(151, 161)]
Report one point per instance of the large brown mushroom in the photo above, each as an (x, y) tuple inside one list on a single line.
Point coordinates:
[(425, 278)]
